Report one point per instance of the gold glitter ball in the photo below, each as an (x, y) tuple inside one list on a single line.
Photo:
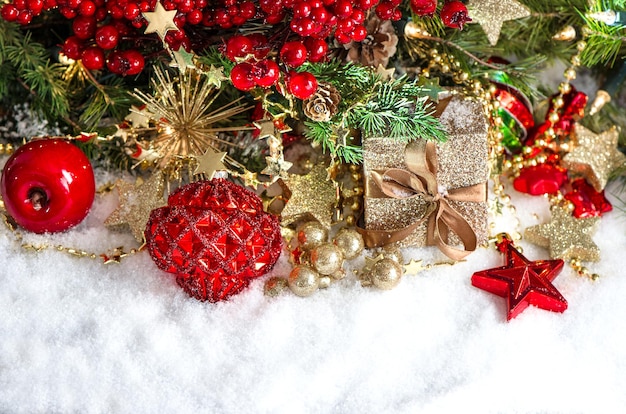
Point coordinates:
[(386, 274), (311, 234), (566, 236), (303, 281), (350, 242), (326, 258)]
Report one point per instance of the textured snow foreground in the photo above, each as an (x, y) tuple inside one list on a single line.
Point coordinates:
[(79, 336)]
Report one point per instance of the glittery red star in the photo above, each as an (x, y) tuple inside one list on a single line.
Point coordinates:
[(522, 282)]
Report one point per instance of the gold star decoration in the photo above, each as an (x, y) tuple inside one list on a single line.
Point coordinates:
[(138, 118), (135, 204), (209, 163), (491, 14), (595, 156), (266, 128), (116, 257), (277, 167), (215, 76), (311, 194), (160, 21), (250, 179), (183, 60), (566, 236), (414, 267)]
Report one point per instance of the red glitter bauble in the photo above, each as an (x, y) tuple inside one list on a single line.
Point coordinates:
[(215, 237)]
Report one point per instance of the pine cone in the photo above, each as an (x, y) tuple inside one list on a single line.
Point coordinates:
[(379, 45), (322, 105)]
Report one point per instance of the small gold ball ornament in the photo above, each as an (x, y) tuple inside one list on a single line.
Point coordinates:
[(326, 258), (311, 234), (324, 282), (350, 242), (303, 281), (394, 254), (386, 274), (275, 286)]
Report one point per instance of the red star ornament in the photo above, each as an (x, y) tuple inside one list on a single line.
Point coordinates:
[(522, 282)]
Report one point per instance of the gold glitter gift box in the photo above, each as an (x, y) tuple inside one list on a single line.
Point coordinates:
[(460, 163)]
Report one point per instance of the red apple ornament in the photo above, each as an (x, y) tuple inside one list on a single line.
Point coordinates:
[(48, 186)]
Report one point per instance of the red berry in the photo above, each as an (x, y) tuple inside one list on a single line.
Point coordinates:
[(424, 7), (9, 12), (72, 48), (275, 18), (247, 9), (241, 76), (302, 9), (35, 6), (48, 186), (127, 62), (131, 11), (343, 8), (454, 14), (320, 15), (266, 73), (84, 27), (135, 61), (260, 47), (238, 46), (293, 53), (93, 58), (358, 16), (87, 8), (24, 17), (302, 84), (194, 17), (318, 48), (107, 37), (359, 34), (384, 10)]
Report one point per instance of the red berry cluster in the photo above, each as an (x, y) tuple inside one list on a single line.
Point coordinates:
[(105, 30), (254, 68), (311, 22), (453, 13)]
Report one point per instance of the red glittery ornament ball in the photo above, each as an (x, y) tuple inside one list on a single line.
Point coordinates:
[(215, 237)]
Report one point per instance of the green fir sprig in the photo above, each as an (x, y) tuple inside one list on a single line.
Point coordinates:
[(396, 108)]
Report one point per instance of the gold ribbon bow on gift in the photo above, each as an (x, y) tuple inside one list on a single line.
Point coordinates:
[(420, 180)]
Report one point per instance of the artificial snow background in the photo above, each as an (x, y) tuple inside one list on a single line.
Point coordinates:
[(79, 336)]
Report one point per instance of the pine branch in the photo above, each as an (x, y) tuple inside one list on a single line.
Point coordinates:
[(604, 43)]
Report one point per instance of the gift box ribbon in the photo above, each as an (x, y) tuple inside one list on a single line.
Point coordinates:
[(420, 180)]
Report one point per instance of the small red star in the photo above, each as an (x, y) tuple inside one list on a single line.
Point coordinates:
[(522, 282)]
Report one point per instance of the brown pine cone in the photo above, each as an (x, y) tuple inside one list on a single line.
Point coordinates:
[(322, 105)]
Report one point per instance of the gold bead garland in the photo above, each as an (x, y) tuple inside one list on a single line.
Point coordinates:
[(113, 255)]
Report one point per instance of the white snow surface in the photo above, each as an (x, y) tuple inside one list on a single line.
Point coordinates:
[(77, 336)]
